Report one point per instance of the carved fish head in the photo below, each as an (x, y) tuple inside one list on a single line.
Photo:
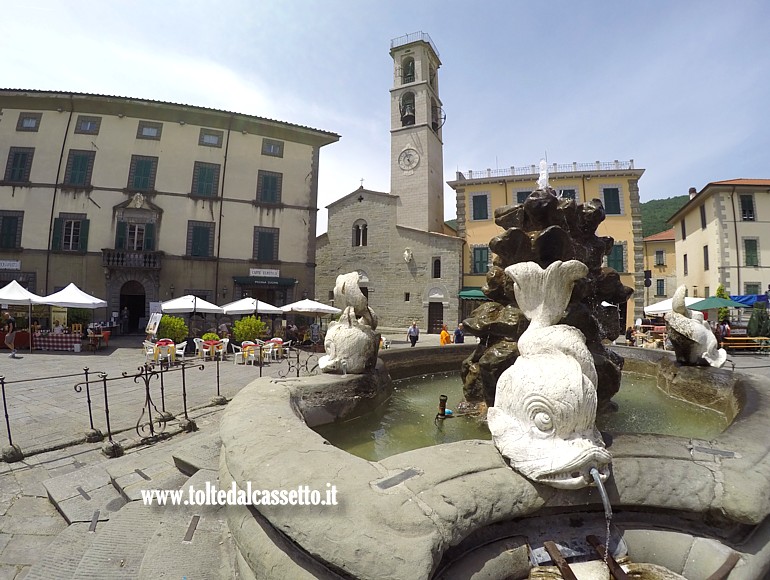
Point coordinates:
[(543, 422)]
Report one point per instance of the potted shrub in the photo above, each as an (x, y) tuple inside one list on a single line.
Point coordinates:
[(210, 336), (249, 328), (172, 327)]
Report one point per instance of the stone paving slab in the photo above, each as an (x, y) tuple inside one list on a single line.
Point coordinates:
[(200, 453), (63, 555)]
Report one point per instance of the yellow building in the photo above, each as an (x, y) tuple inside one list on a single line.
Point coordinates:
[(615, 183), (660, 262), (136, 200), (722, 237)]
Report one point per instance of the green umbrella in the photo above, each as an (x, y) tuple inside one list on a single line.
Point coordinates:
[(713, 302)]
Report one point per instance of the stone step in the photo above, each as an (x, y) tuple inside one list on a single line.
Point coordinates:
[(63, 555), (198, 452), (191, 541), (118, 549), (84, 495)]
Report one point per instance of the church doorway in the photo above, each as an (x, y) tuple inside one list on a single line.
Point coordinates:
[(132, 296), (435, 317)]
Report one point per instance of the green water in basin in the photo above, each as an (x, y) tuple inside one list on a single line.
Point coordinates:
[(407, 420)]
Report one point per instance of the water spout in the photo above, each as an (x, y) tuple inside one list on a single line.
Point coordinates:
[(344, 365), (603, 492)]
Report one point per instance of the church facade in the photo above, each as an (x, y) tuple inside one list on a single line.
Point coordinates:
[(408, 260)]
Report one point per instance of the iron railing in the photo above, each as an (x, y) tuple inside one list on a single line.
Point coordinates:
[(552, 168)]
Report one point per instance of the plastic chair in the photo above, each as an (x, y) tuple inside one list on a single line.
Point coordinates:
[(225, 342), (77, 329), (106, 335), (149, 351), (164, 352), (180, 348), (198, 346), (237, 354)]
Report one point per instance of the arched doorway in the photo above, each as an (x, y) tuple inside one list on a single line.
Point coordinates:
[(132, 296), (436, 301)]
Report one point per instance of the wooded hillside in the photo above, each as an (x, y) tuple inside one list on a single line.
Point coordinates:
[(656, 211)]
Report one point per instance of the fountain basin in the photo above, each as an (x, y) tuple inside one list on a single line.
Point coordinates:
[(680, 502)]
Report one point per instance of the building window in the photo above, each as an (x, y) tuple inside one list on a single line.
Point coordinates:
[(751, 252), (747, 208), (703, 217), (135, 237), (407, 70), (149, 130), (331, 296), (210, 138), (70, 233), (660, 287), (272, 147), (707, 291), (684, 230), (360, 234), (19, 164), (685, 264), (200, 239), (480, 206), (615, 258), (205, 181), (269, 185), (10, 229), (407, 296), (568, 194), (266, 244), (611, 201), (141, 173), (521, 196), (480, 260), (751, 288), (705, 258), (88, 125), (407, 109), (437, 267), (29, 122), (660, 258), (80, 166)]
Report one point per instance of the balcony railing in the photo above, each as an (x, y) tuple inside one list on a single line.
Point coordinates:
[(414, 37), (552, 168), (131, 259)]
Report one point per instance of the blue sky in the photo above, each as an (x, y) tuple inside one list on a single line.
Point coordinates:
[(682, 88)]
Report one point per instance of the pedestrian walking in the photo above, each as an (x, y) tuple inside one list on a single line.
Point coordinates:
[(10, 333), (459, 334), (413, 333)]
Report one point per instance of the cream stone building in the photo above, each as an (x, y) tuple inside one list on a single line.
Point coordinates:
[(723, 237), (138, 201), (660, 262), (616, 183), (407, 257)]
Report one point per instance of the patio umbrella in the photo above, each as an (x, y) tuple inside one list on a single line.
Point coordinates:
[(250, 306), (15, 293), (189, 304), (664, 306), (308, 306), (714, 302)]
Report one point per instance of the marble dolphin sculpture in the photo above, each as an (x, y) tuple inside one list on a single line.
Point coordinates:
[(691, 335), (543, 419)]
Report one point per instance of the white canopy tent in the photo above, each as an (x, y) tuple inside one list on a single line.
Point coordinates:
[(16, 294), (189, 304), (250, 306), (664, 306), (73, 297)]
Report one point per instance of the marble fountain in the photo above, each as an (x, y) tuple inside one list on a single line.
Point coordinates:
[(673, 506)]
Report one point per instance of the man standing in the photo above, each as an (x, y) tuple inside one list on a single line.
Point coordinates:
[(10, 333), (124, 316), (459, 334), (413, 333)]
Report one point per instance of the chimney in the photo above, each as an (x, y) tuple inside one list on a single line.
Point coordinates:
[(692, 192)]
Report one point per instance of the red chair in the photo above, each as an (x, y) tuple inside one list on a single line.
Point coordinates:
[(106, 336)]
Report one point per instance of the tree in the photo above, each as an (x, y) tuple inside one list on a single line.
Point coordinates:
[(248, 328), (724, 313)]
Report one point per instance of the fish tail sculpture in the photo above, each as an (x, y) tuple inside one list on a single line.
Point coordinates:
[(694, 342), (543, 419)]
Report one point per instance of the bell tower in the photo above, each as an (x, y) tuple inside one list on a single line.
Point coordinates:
[(416, 146)]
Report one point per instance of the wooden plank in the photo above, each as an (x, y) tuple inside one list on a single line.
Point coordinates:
[(617, 572), (558, 559), (724, 570)]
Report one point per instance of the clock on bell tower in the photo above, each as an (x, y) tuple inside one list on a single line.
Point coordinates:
[(416, 119)]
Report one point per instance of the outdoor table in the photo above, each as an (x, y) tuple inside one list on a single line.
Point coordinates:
[(56, 341), (216, 346), (95, 341)]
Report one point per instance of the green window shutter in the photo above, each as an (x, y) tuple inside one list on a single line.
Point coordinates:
[(750, 249), (83, 247), (265, 246), (521, 196), (8, 226), (120, 235), (480, 207), (58, 224), (615, 259), (611, 201), (149, 237), (480, 260), (79, 169), (200, 241)]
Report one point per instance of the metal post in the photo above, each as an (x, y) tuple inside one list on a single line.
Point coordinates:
[(5, 409)]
